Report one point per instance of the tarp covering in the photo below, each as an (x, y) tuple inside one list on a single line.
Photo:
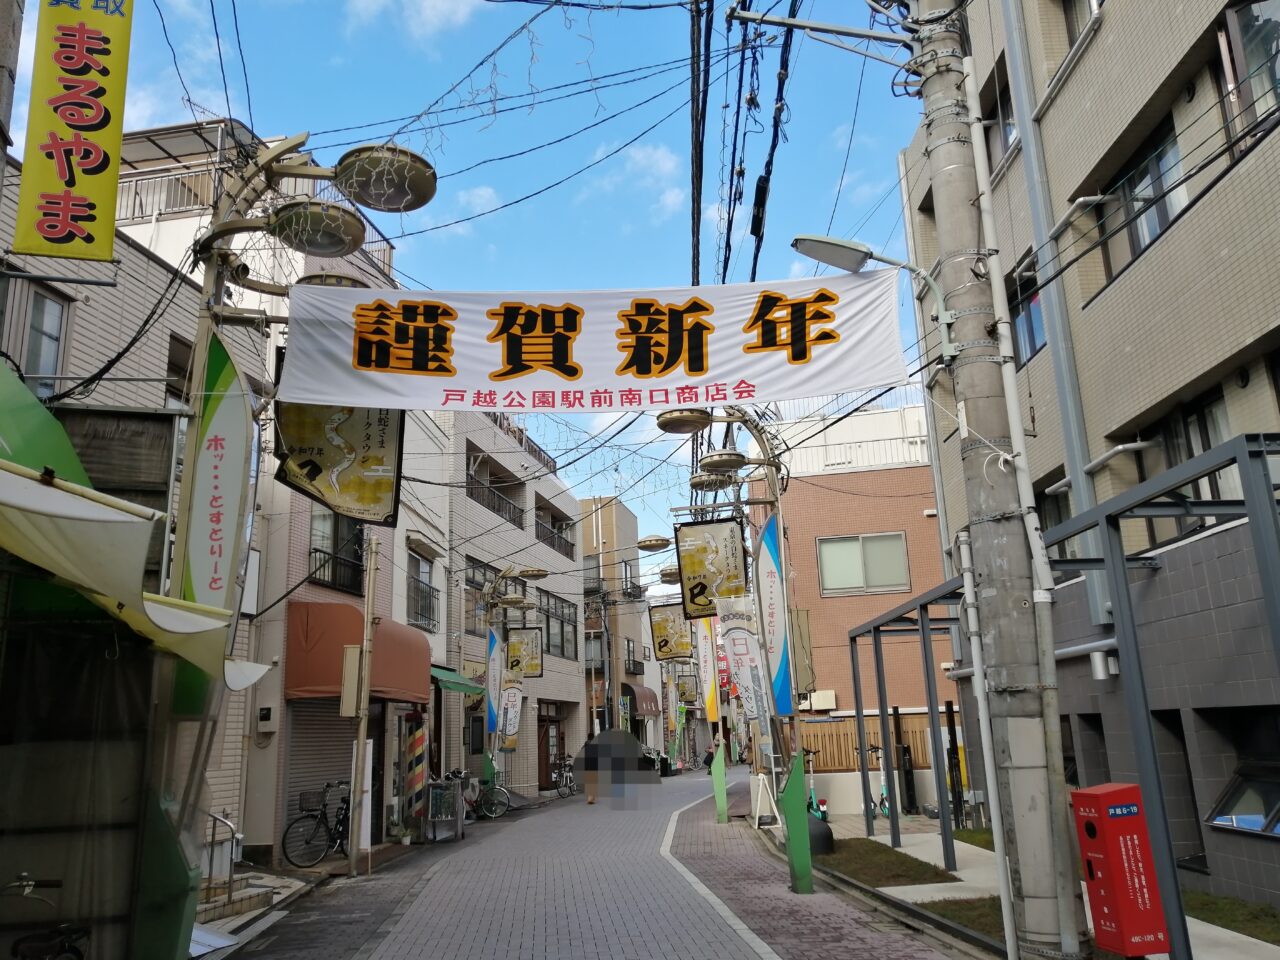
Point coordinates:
[(646, 700), (452, 680), (317, 633)]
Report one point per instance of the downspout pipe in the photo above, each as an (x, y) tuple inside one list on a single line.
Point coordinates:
[(974, 629), (1070, 907), (1093, 466)]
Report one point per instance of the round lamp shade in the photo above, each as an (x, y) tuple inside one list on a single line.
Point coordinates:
[(317, 228), (386, 178)]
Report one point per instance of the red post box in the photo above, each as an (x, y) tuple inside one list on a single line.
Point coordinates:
[(1124, 899)]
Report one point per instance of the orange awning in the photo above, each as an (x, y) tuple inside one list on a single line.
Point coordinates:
[(313, 654)]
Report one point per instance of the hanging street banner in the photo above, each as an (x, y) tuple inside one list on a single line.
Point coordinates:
[(524, 650), (774, 613), (713, 564), (672, 639), (509, 711), (688, 688), (740, 632), (493, 681), (595, 350), (347, 458), (216, 544), (71, 164), (705, 636)]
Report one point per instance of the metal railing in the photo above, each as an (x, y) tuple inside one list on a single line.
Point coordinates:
[(632, 591), (865, 454), (186, 191), (495, 502), (633, 667), (340, 573), (591, 583), (214, 820), (423, 605), (555, 539), (520, 436)]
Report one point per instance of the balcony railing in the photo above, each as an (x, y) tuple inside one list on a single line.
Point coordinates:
[(340, 573), (424, 605), (632, 591), (520, 436), (555, 539), (633, 667), (591, 583), (595, 665), (495, 502)]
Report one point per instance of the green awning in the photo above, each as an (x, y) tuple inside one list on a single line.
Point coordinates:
[(452, 680)]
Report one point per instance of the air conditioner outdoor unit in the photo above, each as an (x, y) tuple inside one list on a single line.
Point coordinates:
[(818, 700)]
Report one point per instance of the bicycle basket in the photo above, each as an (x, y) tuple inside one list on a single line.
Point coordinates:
[(310, 801)]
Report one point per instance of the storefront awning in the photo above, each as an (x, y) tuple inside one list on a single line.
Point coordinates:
[(98, 544), (644, 700), (317, 633), (452, 680)]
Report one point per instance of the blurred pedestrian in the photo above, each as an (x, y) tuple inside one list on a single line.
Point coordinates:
[(591, 767), (711, 754)]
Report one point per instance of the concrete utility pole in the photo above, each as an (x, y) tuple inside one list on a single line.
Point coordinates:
[(358, 811), (1002, 560)]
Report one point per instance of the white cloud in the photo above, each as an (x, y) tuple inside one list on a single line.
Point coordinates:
[(422, 18), (478, 199), (650, 162), (669, 203), (799, 269)]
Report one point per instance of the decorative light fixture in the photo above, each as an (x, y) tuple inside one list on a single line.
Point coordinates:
[(654, 543), (723, 461), (847, 255), (386, 177), (317, 228), (331, 280), (669, 574), (707, 482), (686, 421), (532, 573)]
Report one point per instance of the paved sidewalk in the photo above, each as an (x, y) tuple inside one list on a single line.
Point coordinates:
[(754, 885)]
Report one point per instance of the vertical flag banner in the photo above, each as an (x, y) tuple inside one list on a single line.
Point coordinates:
[(707, 668), (671, 637), (493, 681), (741, 637), (220, 479), (687, 688), (769, 576), (71, 164), (509, 711), (524, 650), (713, 564)]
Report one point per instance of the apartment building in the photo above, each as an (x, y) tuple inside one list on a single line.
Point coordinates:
[(623, 674), (862, 538), (95, 762), (311, 585), (510, 512), (1159, 165)]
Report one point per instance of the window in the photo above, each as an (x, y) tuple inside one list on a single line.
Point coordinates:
[(1004, 132), (1028, 327), (1077, 14), (595, 649), (44, 342), (477, 577), (1253, 32), (423, 599), (1194, 429), (475, 731), (1252, 800), (1055, 508), (872, 563), (1150, 192), (560, 625), (337, 550)]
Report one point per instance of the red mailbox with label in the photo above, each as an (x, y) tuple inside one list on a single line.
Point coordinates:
[(1124, 900)]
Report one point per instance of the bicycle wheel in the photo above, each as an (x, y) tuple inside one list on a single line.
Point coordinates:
[(306, 840), (564, 787), (494, 802), (884, 806)]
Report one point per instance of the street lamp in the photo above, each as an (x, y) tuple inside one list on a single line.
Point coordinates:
[(309, 226), (852, 256)]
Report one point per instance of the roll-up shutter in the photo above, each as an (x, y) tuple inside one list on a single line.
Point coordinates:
[(320, 745)]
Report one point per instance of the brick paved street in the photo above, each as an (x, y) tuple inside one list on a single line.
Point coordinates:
[(587, 882)]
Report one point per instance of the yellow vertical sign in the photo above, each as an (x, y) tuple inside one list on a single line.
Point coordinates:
[(708, 669), (71, 164)]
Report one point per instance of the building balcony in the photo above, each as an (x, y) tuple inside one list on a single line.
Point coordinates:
[(495, 502), (633, 668), (591, 583), (593, 666), (338, 573), (555, 539), (632, 591), (518, 434), (423, 605)]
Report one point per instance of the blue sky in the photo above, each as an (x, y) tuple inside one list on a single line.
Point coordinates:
[(320, 65)]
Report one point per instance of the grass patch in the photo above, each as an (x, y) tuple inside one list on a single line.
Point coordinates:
[(1257, 920), (982, 915), (976, 838), (879, 865)]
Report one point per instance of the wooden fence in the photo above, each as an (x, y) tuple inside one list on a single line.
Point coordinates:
[(837, 742)]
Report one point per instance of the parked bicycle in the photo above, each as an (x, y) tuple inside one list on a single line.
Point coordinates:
[(486, 800), (309, 838), (62, 942), (562, 776), (694, 762), (883, 806)]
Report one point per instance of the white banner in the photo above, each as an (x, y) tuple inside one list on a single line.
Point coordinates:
[(740, 633), (769, 576), (593, 350)]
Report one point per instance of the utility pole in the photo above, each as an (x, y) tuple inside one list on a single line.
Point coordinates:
[(358, 811), (1002, 560)]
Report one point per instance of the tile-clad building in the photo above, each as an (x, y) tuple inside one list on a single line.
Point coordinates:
[(1161, 167)]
